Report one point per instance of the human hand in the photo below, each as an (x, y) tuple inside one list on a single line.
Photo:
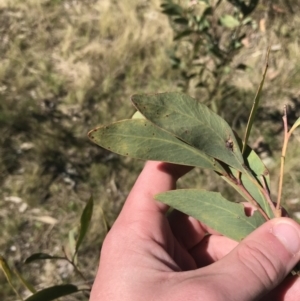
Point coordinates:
[(148, 256)]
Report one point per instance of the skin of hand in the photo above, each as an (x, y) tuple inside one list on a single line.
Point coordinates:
[(148, 255)]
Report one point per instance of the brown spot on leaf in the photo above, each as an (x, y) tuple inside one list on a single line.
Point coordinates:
[(229, 144), (266, 172)]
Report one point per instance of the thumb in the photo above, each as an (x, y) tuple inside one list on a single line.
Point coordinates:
[(262, 260)]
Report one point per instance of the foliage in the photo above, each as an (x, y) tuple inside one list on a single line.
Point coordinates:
[(175, 128), (208, 35), (56, 291), (62, 61), (65, 67)]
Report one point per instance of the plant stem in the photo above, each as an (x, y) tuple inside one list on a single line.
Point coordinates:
[(251, 200), (282, 160), (71, 261), (266, 193)]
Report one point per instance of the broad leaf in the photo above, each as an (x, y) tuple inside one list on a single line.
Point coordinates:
[(214, 211), (141, 139), (192, 122), (85, 220), (40, 256), (54, 292)]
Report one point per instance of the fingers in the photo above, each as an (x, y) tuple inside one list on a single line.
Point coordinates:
[(288, 290), (188, 231), (181, 224), (261, 261), (211, 249), (155, 178)]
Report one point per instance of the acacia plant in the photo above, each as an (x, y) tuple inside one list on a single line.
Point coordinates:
[(175, 128)]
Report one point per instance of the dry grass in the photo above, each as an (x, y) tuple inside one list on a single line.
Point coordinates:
[(67, 66)]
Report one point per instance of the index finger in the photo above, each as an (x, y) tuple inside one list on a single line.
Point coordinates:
[(156, 177)]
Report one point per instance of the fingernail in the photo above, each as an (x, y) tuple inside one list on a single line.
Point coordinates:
[(288, 235)]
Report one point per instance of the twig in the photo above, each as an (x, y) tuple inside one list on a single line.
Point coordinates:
[(251, 200), (266, 193), (282, 160)]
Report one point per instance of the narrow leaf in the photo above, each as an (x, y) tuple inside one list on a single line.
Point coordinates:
[(253, 187), (105, 222), (192, 122), (72, 244), (181, 20), (25, 283), (255, 106), (183, 34), (85, 222), (256, 165), (213, 210), (54, 292), (141, 139), (251, 178), (40, 256), (8, 274), (296, 124)]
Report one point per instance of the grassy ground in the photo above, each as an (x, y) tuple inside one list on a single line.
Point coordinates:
[(68, 66)]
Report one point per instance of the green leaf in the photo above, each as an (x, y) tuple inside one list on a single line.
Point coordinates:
[(247, 20), (105, 222), (172, 9), (40, 256), (255, 106), (229, 21), (296, 124), (8, 274), (256, 165), (85, 222), (253, 187), (213, 210), (181, 20), (141, 139), (252, 179), (25, 283), (183, 34), (72, 243), (193, 123), (54, 292)]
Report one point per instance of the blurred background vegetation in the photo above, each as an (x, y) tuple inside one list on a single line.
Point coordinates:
[(67, 66)]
